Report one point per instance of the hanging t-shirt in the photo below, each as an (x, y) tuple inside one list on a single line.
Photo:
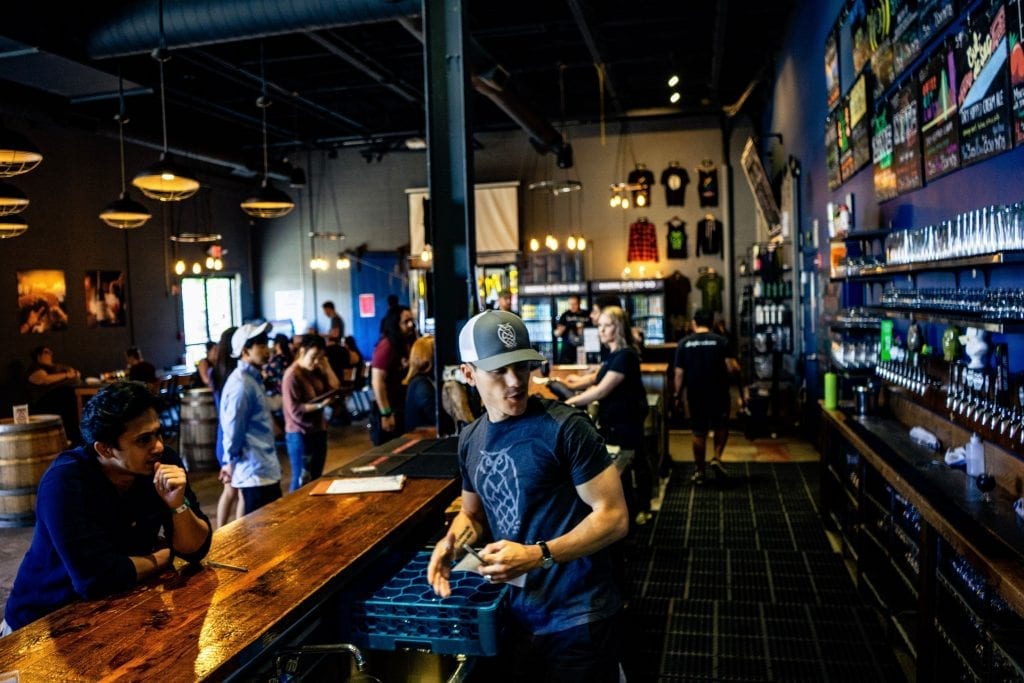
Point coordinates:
[(709, 237), (643, 241), (711, 284), (645, 179), (675, 179), (677, 239), (707, 186)]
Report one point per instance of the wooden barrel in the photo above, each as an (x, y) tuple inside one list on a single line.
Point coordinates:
[(26, 450), (199, 429)]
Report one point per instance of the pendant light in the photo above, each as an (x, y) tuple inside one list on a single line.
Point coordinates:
[(12, 200), (17, 154), (267, 201), (12, 226), (166, 180), (124, 213)]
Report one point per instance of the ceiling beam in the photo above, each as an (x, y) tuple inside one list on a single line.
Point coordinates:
[(718, 46), (349, 53), (580, 15)]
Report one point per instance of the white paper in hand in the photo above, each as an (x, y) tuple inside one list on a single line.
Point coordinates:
[(469, 563)]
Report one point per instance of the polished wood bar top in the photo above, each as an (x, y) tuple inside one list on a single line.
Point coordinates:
[(988, 534), (204, 623)]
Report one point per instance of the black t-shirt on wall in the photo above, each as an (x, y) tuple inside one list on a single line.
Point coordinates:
[(675, 179)]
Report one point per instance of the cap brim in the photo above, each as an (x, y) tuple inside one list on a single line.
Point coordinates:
[(503, 359)]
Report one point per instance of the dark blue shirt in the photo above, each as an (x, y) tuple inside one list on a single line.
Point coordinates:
[(86, 530), (525, 470), (420, 403)]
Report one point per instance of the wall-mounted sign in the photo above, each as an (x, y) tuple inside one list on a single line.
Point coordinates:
[(1015, 29), (906, 41), (832, 87), (905, 142), (367, 307), (881, 152), (764, 199), (937, 88), (860, 125), (981, 57), (835, 177), (932, 17)]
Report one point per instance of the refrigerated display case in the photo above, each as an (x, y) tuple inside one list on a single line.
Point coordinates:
[(540, 305), (644, 300)]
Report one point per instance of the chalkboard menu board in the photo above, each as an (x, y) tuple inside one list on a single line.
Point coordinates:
[(1015, 27), (932, 17), (881, 151), (906, 41), (860, 124), (835, 177), (906, 148), (832, 69), (981, 57), (937, 83)]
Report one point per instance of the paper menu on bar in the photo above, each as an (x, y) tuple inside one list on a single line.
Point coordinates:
[(358, 485)]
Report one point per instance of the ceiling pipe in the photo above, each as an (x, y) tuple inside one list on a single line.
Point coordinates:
[(490, 79), (135, 29), (579, 14), (191, 23)]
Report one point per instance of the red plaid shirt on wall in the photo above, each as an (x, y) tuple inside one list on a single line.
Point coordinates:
[(643, 242)]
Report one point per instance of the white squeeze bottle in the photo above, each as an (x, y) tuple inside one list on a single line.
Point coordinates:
[(975, 456)]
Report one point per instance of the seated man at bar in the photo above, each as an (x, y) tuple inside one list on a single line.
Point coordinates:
[(538, 482), (51, 389), (109, 514)]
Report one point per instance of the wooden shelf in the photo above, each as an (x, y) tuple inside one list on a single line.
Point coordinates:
[(861, 235), (980, 261)]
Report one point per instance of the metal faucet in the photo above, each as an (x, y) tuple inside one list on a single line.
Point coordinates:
[(287, 661)]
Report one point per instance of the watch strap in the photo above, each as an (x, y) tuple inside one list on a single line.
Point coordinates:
[(546, 559)]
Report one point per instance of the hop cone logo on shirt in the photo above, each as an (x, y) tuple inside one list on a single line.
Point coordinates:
[(507, 335)]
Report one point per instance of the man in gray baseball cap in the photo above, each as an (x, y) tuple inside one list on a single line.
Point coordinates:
[(538, 484)]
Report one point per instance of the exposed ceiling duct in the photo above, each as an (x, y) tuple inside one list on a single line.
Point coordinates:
[(135, 29)]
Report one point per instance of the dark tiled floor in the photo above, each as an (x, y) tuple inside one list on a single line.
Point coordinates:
[(737, 582)]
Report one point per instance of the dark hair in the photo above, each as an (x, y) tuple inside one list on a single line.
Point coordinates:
[(211, 345), (133, 352), (225, 363), (391, 328), (605, 300), (392, 300), (312, 341), (38, 351), (327, 304), (704, 317), (106, 414)]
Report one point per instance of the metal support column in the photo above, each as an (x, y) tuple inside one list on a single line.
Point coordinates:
[(450, 177)]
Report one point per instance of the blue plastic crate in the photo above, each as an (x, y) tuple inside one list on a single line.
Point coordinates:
[(406, 614)]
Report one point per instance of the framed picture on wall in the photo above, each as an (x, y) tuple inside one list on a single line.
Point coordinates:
[(41, 295), (981, 58), (1015, 29), (104, 298)]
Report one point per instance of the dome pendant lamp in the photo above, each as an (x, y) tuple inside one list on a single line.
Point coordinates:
[(124, 213), (165, 180), (267, 201), (12, 200), (17, 154)]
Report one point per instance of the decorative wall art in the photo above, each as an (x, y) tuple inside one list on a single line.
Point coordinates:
[(105, 298), (41, 295)]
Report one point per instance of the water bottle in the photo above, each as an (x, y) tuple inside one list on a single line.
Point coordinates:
[(975, 456)]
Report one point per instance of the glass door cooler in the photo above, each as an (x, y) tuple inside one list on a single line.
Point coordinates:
[(644, 300), (540, 305)]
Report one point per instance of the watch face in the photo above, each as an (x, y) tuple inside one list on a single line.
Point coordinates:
[(547, 563)]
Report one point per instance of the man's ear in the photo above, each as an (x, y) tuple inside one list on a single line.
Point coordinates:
[(102, 449), (467, 372)]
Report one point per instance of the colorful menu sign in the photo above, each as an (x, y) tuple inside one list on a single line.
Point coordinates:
[(860, 125), (859, 37), (981, 58), (906, 41), (1015, 29), (880, 38), (937, 89), (932, 17), (846, 165), (881, 151), (905, 143), (835, 176), (832, 86)]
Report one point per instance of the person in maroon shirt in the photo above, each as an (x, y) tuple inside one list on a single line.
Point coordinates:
[(305, 429), (387, 368)]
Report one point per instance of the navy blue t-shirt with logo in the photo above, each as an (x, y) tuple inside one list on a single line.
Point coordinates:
[(525, 470)]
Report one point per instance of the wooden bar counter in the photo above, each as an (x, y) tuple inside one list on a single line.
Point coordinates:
[(203, 623)]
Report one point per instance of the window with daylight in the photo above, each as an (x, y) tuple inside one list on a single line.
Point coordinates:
[(209, 305)]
